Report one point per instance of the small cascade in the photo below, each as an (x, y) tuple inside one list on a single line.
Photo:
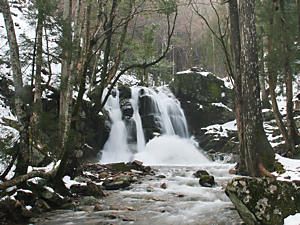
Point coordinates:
[(156, 129), (174, 112), (116, 148), (164, 109), (137, 118)]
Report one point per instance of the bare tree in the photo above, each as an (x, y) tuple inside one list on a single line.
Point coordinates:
[(20, 106), (256, 153)]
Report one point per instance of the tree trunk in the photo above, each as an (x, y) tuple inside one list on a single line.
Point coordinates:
[(298, 9), (65, 88), (272, 77), (288, 78), (236, 53), (276, 112), (70, 67), (20, 107), (256, 147), (37, 99), (262, 79)]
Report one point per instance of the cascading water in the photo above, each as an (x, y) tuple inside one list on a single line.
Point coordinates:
[(166, 132), (137, 118), (116, 148)]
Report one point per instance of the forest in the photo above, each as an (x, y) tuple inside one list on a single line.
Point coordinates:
[(150, 112)]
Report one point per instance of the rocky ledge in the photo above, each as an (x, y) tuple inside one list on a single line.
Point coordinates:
[(263, 200)]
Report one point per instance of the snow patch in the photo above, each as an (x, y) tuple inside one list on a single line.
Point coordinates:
[(292, 219), (205, 74), (221, 130), (221, 105), (292, 169)]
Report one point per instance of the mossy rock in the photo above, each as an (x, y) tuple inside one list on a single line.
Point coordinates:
[(263, 200), (207, 181)]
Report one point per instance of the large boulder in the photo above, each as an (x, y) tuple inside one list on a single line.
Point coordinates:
[(263, 200), (204, 98)]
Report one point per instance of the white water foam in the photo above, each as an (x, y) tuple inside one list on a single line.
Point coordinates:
[(171, 150)]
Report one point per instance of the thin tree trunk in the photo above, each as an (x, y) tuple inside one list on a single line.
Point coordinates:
[(65, 88), (262, 79), (276, 112), (288, 77), (71, 63), (298, 9), (257, 148), (20, 107), (37, 99), (272, 77), (107, 51)]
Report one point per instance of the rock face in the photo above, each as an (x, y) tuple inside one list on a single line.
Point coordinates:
[(204, 99), (264, 201)]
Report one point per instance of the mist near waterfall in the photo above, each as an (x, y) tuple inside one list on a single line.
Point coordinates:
[(171, 150)]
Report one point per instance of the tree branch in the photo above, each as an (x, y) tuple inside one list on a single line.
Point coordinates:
[(22, 178)]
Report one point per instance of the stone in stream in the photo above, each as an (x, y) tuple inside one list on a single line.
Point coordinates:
[(205, 179), (98, 207), (90, 189), (116, 183), (41, 206), (200, 173), (264, 200), (163, 186)]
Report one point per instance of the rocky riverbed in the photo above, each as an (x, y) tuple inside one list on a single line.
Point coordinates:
[(172, 195)]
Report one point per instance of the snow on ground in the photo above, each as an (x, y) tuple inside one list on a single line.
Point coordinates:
[(221, 130), (46, 169), (191, 71), (292, 169), (8, 133), (292, 220), (227, 82), (221, 105)]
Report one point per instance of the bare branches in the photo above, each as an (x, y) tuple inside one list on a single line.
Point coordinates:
[(170, 31), (220, 35)]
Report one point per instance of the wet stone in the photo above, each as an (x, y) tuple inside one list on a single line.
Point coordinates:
[(163, 186), (207, 181), (200, 173)]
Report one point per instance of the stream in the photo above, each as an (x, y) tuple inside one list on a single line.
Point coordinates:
[(173, 196)]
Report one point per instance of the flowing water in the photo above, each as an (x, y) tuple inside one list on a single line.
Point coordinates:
[(182, 202), (173, 196), (116, 148)]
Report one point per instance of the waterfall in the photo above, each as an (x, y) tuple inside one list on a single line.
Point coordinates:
[(174, 113), (116, 148), (157, 125), (163, 105)]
